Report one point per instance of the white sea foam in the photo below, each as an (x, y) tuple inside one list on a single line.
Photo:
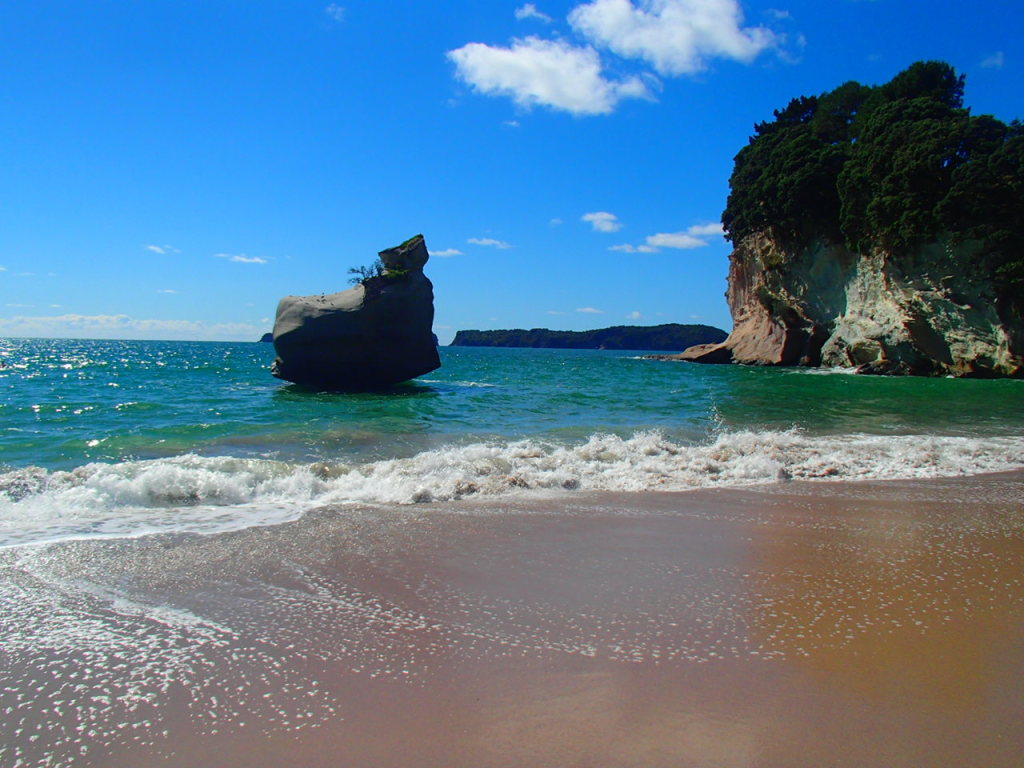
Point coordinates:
[(213, 494)]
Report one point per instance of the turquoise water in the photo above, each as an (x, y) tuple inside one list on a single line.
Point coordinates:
[(111, 437)]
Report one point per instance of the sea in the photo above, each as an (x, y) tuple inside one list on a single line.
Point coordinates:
[(201, 564), (120, 439)]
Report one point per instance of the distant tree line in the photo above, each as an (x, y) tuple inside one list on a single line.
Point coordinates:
[(670, 337), (892, 166)]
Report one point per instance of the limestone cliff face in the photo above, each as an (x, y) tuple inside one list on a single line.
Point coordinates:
[(926, 313)]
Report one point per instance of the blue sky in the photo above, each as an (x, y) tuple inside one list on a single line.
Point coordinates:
[(171, 169)]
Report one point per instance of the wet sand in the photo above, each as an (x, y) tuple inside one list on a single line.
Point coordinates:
[(804, 624)]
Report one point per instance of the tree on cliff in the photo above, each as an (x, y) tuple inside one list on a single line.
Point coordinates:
[(891, 166)]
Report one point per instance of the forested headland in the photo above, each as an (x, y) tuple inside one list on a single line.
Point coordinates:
[(668, 337), (892, 166)]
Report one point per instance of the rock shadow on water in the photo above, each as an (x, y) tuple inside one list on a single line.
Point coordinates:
[(303, 392)]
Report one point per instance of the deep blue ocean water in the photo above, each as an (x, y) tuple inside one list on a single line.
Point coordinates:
[(110, 438)]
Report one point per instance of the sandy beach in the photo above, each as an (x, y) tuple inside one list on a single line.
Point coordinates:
[(801, 624)]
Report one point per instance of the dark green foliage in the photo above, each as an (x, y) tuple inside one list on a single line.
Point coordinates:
[(670, 337), (363, 275), (374, 273), (892, 166)]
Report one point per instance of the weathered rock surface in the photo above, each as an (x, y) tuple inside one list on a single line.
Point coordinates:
[(374, 335), (926, 313)]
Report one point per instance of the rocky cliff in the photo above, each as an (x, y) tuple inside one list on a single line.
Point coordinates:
[(929, 311)]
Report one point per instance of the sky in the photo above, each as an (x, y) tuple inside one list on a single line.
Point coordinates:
[(170, 170)]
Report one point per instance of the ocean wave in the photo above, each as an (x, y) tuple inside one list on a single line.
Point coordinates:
[(192, 493)]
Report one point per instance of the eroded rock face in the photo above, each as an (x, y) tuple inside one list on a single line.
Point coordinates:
[(374, 335), (929, 313)]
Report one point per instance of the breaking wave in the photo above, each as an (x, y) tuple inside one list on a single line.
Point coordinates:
[(198, 494)]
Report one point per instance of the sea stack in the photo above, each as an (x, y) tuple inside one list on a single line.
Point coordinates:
[(371, 336)]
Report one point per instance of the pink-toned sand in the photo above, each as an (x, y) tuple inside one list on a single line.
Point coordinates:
[(804, 625)]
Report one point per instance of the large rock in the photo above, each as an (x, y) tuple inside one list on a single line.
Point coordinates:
[(374, 335), (931, 312)]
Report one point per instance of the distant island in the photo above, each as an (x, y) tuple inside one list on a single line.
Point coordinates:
[(656, 338)]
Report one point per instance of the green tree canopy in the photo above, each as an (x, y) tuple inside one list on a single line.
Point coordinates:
[(891, 166)]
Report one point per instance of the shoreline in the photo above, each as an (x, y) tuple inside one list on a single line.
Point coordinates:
[(799, 623)]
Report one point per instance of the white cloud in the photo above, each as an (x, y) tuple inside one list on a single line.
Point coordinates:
[(706, 230), (529, 11), (696, 236), (490, 242), (682, 240), (555, 312), (446, 253), (3, 269), (555, 223), (996, 61), (241, 258), (548, 73), (676, 37), (162, 249), (590, 311), (627, 248), (602, 221), (634, 315), (166, 290), (126, 327), (511, 123), (335, 11)]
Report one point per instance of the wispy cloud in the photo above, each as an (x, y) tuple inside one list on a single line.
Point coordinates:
[(529, 11), (996, 61), (125, 327), (489, 242), (335, 11), (590, 311), (634, 315), (446, 253), (676, 37), (556, 222), (602, 221), (696, 236), (162, 249), (3, 269), (627, 248), (681, 240), (166, 290), (547, 73), (241, 258), (555, 312)]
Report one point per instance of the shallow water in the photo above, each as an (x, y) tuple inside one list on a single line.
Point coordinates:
[(782, 626), (119, 438)]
